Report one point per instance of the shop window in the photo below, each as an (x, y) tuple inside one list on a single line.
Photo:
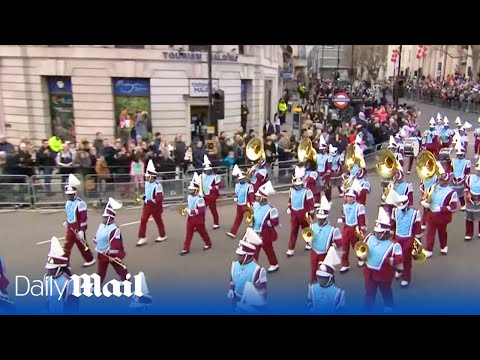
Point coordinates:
[(61, 108), (132, 108)]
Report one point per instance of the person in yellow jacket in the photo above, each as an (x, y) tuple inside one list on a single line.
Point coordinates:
[(55, 144), (282, 110)]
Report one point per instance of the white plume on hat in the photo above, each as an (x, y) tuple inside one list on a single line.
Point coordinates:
[(150, 169), (324, 208), (73, 184), (382, 219), (56, 256), (298, 175), (252, 237), (439, 117), (456, 138), (237, 172), (445, 121), (327, 266), (458, 147), (112, 207), (392, 197), (392, 142), (432, 122), (354, 189), (466, 125), (195, 182), (332, 149), (249, 243), (358, 139), (322, 143), (266, 190), (207, 165), (458, 121)]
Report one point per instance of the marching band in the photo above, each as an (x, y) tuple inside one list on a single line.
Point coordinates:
[(385, 254)]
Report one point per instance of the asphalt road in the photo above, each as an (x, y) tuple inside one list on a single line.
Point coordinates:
[(177, 283)]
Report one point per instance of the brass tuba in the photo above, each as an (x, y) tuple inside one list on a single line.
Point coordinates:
[(352, 157), (248, 215), (361, 247), (306, 151), (387, 164), (426, 167), (418, 253), (307, 233), (254, 152)]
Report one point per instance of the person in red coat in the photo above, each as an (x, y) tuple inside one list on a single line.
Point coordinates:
[(406, 228), (442, 204), (195, 211), (300, 205), (211, 184), (244, 197), (353, 218), (383, 259), (110, 243), (76, 223), (265, 220), (153, 206)]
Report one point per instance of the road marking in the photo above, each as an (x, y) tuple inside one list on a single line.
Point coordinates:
[(122, 225)]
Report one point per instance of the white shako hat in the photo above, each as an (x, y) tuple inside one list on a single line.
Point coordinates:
[(355, 189), (207, 165), (265, 190), (297, 178), (324, 209), (238, 173), (249, 243), (112, 207), (326, 268), (73, 184), (150, 169), (195, 182), (56, 257), (382, 223)]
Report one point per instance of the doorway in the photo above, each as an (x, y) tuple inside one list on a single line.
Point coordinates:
[(198, 122)]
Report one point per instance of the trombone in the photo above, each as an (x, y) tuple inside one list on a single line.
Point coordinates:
[(307, 233)]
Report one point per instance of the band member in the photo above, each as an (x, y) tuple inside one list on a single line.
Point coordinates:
[(461, 168), (406, 226), (476, 135), (461, 133), (76, 223), (110, 243), (196, 216), (248, 280), (211, 184), (311, 179), (353, 218), (424, 186), (57, 279), (322, 165), (402, 187), (472, 194), (265, 220), (336, 167), (383, 260), (144, 301), (323, 295), (394, 148), (431, 139), (442, 204), (446, 134), (259, 175), (418, 136), (5, 303), (324, 236), (153, 206), (244, 197), (300, 205), (439, 125)]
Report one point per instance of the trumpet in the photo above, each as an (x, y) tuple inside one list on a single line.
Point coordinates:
[(307, 233), (418, 252), (115, 260), (361, 247), (182, 209), (248, 215), (139, 198)]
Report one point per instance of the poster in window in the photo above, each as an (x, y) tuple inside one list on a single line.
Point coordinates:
[(132, 109), (61, 108)]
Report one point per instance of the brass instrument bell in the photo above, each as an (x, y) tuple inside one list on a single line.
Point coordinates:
[(182, 210), (387, 164), (306, 151), (307, 233), (248, 215), (361, 247), (426, 167), (418, 252), (138, 198), (255, 153)]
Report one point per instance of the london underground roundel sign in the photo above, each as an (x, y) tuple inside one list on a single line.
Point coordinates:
[(341, 100)]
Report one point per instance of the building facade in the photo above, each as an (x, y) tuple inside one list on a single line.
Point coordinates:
[(324, 60), (79, 90)]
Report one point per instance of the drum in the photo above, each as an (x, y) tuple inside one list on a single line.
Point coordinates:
[(411, 147), (337, 180), (446, 154), (472, 212), (459, 188)]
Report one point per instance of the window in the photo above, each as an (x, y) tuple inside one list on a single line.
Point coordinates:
[(132, 108), (130, 46), (199, 48), (241, 49), (61, 107)]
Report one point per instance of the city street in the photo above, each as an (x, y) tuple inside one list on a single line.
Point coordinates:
[(176, 282)]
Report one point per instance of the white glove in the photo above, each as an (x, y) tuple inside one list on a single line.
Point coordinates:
[(340, 221), (230, 294), (425, 204), (65, 224), (81, 235), (289, 211), (235, 199)]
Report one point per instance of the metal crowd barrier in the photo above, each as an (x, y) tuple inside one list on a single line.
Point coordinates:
[(454, 104), (15, 190), (49, 189)]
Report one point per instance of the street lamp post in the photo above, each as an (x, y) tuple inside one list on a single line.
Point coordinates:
[(210, 90)]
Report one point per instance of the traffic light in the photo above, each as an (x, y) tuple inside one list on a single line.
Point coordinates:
[(218, 106)]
